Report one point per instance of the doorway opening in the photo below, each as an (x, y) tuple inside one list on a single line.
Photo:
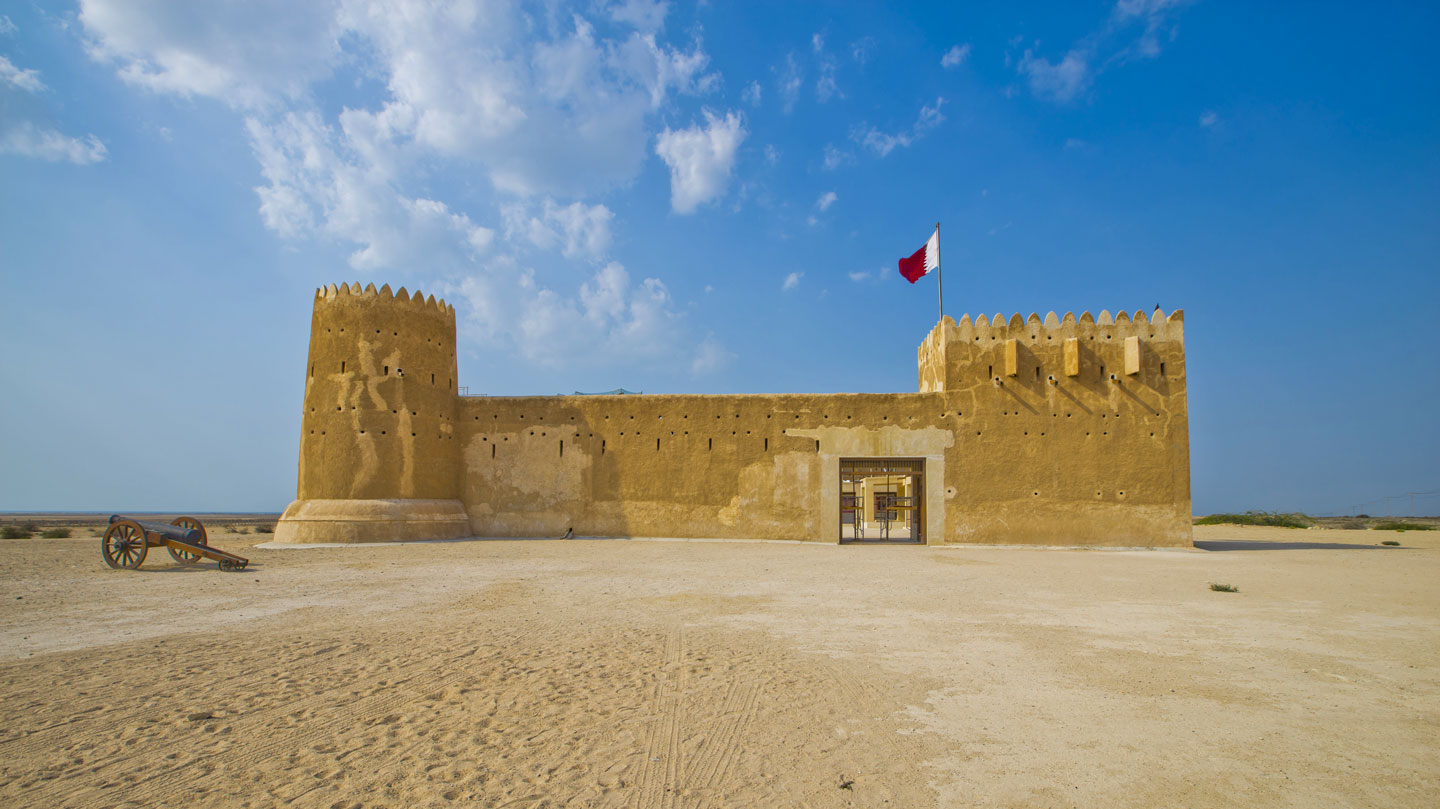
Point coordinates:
[(882, 500)]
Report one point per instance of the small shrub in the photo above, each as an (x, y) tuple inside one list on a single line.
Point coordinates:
[(1224, 588), (1353, 525), (31, 527), (1275, 519), (264, 529), (1389, 542), (14, 532), (239, 529), (1401, 526), (55, 533)]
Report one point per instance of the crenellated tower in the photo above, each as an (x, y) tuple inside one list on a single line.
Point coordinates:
[(379, 454), (1147, 349), (1077, 427)]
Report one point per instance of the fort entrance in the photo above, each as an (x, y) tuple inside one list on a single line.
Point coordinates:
[(882, 500)]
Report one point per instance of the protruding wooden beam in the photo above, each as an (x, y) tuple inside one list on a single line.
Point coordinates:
[(1072, 356)]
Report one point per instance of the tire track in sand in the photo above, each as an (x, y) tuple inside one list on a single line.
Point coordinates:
[(660, 771), (717, 752)]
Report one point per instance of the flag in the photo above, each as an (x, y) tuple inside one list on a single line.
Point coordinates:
[(923, 260)]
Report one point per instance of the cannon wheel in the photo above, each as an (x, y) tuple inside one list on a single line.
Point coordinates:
[(186, 557), (124, 545)]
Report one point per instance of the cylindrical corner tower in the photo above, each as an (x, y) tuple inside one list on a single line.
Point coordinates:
[(379, 459)]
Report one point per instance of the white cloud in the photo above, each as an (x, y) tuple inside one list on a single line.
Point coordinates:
[(860, 49), (710, 357), (243, 52), (1060, 82), (791, 281), (6, 27), (882, 143), (564, 114), (701, 159), (27, 80), (644, 15), (28, 140), (1208, 118), (825, 86), (1153, 14), (576, 229), (608, 321), (835, 158), (772, 154), (826, 200), (751, 94), (955, 56), (1069, 78), (312, 190), (790, 80), (859, 275)]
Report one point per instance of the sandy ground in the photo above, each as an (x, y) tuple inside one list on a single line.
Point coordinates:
[(708, 674)]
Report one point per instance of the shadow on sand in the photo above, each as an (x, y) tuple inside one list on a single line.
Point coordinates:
[(1251, 545)]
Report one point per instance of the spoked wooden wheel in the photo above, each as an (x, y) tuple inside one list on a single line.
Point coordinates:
[(124, 545), (188, 523)]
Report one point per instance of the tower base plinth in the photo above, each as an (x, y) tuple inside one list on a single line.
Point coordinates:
[(354, 521)]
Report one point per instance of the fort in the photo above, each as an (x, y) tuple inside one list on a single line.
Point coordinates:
[(1053, 431)]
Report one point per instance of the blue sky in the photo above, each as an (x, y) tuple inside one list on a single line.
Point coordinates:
[(709, 198)]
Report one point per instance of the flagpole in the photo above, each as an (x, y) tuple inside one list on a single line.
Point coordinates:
[(938, 288)]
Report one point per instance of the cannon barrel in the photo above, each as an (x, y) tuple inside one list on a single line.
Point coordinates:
[(166, 530)]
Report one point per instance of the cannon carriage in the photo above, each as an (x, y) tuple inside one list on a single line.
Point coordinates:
[(126, 542)]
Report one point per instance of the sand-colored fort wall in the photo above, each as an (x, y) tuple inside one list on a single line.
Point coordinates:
[(1055, 431), (756, 466)]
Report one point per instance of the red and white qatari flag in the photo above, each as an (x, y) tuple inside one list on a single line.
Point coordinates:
[(923, 260)]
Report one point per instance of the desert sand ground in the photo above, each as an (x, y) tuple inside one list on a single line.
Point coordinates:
[(617, 673)]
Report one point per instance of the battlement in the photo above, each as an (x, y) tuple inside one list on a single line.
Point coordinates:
[(951, 351), (344, 292), (1157, 325)]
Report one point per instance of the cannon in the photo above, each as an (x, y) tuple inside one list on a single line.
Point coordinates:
[(126, 541)]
